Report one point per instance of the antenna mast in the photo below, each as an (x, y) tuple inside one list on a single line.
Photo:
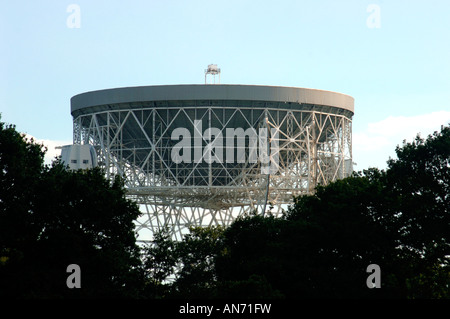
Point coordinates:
[(212, 70)]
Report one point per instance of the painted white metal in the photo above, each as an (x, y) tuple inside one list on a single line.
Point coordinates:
[(79, 156), (314, 147)]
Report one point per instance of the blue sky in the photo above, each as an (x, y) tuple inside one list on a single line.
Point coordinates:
[(398, 72)]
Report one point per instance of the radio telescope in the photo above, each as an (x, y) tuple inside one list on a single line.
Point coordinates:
[(303, 139)]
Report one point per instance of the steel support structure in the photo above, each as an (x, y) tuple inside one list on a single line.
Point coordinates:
[(135, 141)]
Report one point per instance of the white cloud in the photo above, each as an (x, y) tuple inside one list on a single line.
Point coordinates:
[(373, 146), (51, 145)]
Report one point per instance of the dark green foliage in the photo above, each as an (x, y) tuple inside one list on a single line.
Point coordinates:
[(51, 217), (398, 219), (20, 166), (160, 262), (254, 257), (190, 263), (420, 181), (196, 254)]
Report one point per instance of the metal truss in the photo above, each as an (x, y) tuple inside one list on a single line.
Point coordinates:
[(313, 147)]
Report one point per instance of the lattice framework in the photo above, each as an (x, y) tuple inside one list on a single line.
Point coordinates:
[(313, 146)]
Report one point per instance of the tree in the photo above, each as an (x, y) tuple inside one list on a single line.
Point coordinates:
[(398, 219), (320, 248), (420, 179), (196, 254), (186, 268), (51, 217), (350, 225), (253, 259), (160, 261), (21, 162)]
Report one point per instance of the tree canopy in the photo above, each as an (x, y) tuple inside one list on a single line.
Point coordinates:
[(51, 217), (398, 219)]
